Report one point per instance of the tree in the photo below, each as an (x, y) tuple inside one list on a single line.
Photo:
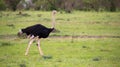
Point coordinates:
[(2, 5), (11, 4), (66, 5), (112, 6)]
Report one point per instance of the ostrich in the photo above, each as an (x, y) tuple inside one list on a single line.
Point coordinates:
[(36, 32)]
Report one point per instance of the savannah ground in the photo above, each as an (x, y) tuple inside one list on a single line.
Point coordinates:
[(85, 39)]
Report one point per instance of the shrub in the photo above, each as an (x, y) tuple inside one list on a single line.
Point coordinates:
[(2, 5)]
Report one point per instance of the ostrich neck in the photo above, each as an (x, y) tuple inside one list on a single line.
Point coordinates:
[(53, 21)]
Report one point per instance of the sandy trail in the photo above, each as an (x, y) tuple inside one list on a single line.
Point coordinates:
[(67, 36)]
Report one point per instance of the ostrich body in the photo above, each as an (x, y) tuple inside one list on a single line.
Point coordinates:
[(36, 32)]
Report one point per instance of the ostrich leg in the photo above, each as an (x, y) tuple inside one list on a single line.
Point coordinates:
[(39, 48), (31, 41)]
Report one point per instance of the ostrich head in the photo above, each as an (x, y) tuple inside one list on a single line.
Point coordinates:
[(53, 18), (54, 12)]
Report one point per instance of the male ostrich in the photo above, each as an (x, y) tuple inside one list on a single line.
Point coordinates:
[(36, 32)]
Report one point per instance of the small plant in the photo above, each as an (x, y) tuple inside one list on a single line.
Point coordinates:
[(5, 44), (23, 36), (22, 65)]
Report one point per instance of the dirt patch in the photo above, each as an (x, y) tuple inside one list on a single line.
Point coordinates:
[(65, 36), (8, 36), (86, 36)]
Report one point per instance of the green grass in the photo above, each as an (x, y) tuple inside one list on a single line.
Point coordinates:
[(65, 51), (77, 23)]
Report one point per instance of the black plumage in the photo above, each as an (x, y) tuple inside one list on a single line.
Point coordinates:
[(37, 30)]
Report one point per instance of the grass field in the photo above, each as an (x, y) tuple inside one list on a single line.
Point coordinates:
[(81, 42)]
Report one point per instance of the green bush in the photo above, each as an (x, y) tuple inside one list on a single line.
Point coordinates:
[(2, 5)]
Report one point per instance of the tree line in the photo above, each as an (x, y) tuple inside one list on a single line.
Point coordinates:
[(66, 5)]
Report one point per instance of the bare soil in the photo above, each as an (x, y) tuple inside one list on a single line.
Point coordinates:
[(66, 36)]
